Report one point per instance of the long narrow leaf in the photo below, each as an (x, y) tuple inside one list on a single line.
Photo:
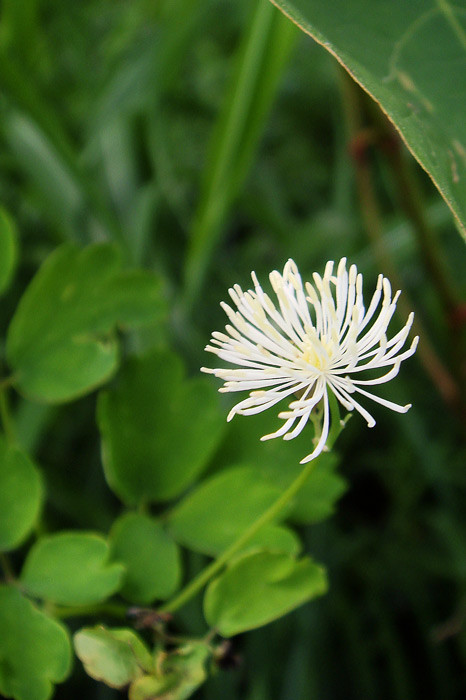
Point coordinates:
[(261, 60)]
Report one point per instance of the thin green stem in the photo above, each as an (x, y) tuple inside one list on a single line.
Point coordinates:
[(270, 514), (267, 517)]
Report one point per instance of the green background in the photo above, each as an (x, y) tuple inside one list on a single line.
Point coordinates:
[(204, 139)]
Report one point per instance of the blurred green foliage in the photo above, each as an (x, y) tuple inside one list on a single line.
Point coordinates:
[(206, 139)]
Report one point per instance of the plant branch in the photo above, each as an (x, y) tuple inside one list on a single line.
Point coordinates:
[(267, 517)]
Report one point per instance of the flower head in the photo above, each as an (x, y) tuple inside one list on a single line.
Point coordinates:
[(318, 338)]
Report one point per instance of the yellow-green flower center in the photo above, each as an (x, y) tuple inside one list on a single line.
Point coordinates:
[(319, 357)]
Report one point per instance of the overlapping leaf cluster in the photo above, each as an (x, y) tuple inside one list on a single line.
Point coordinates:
[(159, 433)]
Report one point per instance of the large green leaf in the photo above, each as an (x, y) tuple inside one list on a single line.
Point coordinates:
[(20, 496), (114, 656), (158, 429), (71, 568), (258, 588), (411, 57), (215, 514), (35, 651), (151, 558), (61, 341), (8, 249)]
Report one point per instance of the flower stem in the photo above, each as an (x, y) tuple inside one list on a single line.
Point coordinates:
[(268, 516)]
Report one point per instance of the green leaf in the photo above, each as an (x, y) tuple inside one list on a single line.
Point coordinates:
[(319, 494), (158, 429), (8, 249), (71, 568), (35, 651), (178, 674), (114, 656), (277, 462), (212, 516), (275, 538), (317, 497), (410, 57), (61, 341), (151, 558), (21, 496), (258, 588), (148, 688)]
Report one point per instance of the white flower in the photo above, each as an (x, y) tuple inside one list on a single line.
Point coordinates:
[(316, 340)]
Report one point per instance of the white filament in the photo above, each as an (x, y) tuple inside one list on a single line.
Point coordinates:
[(313, 341)]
